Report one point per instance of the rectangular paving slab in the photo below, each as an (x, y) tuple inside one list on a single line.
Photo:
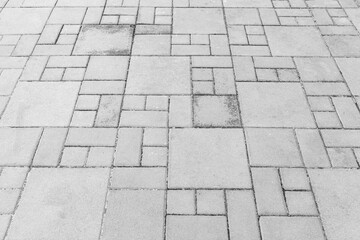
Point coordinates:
[(61, 204), (208, 158)]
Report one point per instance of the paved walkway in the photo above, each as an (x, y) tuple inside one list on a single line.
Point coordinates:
[(179, 119)]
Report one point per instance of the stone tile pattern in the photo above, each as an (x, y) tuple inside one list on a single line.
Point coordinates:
[(179, 119)]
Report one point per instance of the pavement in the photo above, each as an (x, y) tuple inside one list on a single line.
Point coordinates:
[(179, 119)]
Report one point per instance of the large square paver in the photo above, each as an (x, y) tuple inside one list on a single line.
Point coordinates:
[(274, 105), (61, 204), (337, 194), (23, 20), (216, 111), (196, 228), (159, 75), (41, 104), (295, 41), (291, 228), (104, 40), (273, 147), (135, 215), (208, 158), (198, 21), (18, 145)]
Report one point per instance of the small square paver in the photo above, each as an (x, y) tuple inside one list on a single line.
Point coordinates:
[(41, 104), (18, 145), (210, 202), (196, 228), (291, 228), (208, 158), (216, 111), (159, 75), (180, 202), (104, 40), (295, 41), (67, 201), (273, 147), (198, 21), (274, 105), (300, 203), (23, 20)]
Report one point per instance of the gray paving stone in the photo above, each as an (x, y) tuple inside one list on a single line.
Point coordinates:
[(107, 68), (295, 41), (291, 228), (41, 104), (196, 228), (23, 20), (337, 194), (350, 72), (18, 145), (134, 214), (343, 46), (159, 75), (198, 21), (68, 202), (104, 40), (247, 3), (274, 105), (216, 111), (208, 158), (273, 147)]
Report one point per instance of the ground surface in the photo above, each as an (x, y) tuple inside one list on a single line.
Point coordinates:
[(179, 119)]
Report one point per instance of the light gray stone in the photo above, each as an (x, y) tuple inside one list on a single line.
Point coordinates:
[(198, 21), (196, 228), (274, 105), (337, 194), (208, 158), (295, 41), (41, 104), (350, 70), (23, 20), (61, 204), (159, 75), (18, 146), (291, 228), (135, 215)]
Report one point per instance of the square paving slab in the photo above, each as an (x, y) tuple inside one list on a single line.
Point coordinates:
[(208, 158), (274, 105), (159, 75), (295, 41), (23, 20), (104, 40), (337, 193), (61, 204), (41, 104), (198, 21)]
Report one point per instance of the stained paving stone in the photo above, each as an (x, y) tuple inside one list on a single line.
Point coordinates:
[(196, 227), (274, 105), (295, 41), (216, 111), (54, 102), (208, 158), (159, 75), (337, 194), (104, 40), (66, 201)]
